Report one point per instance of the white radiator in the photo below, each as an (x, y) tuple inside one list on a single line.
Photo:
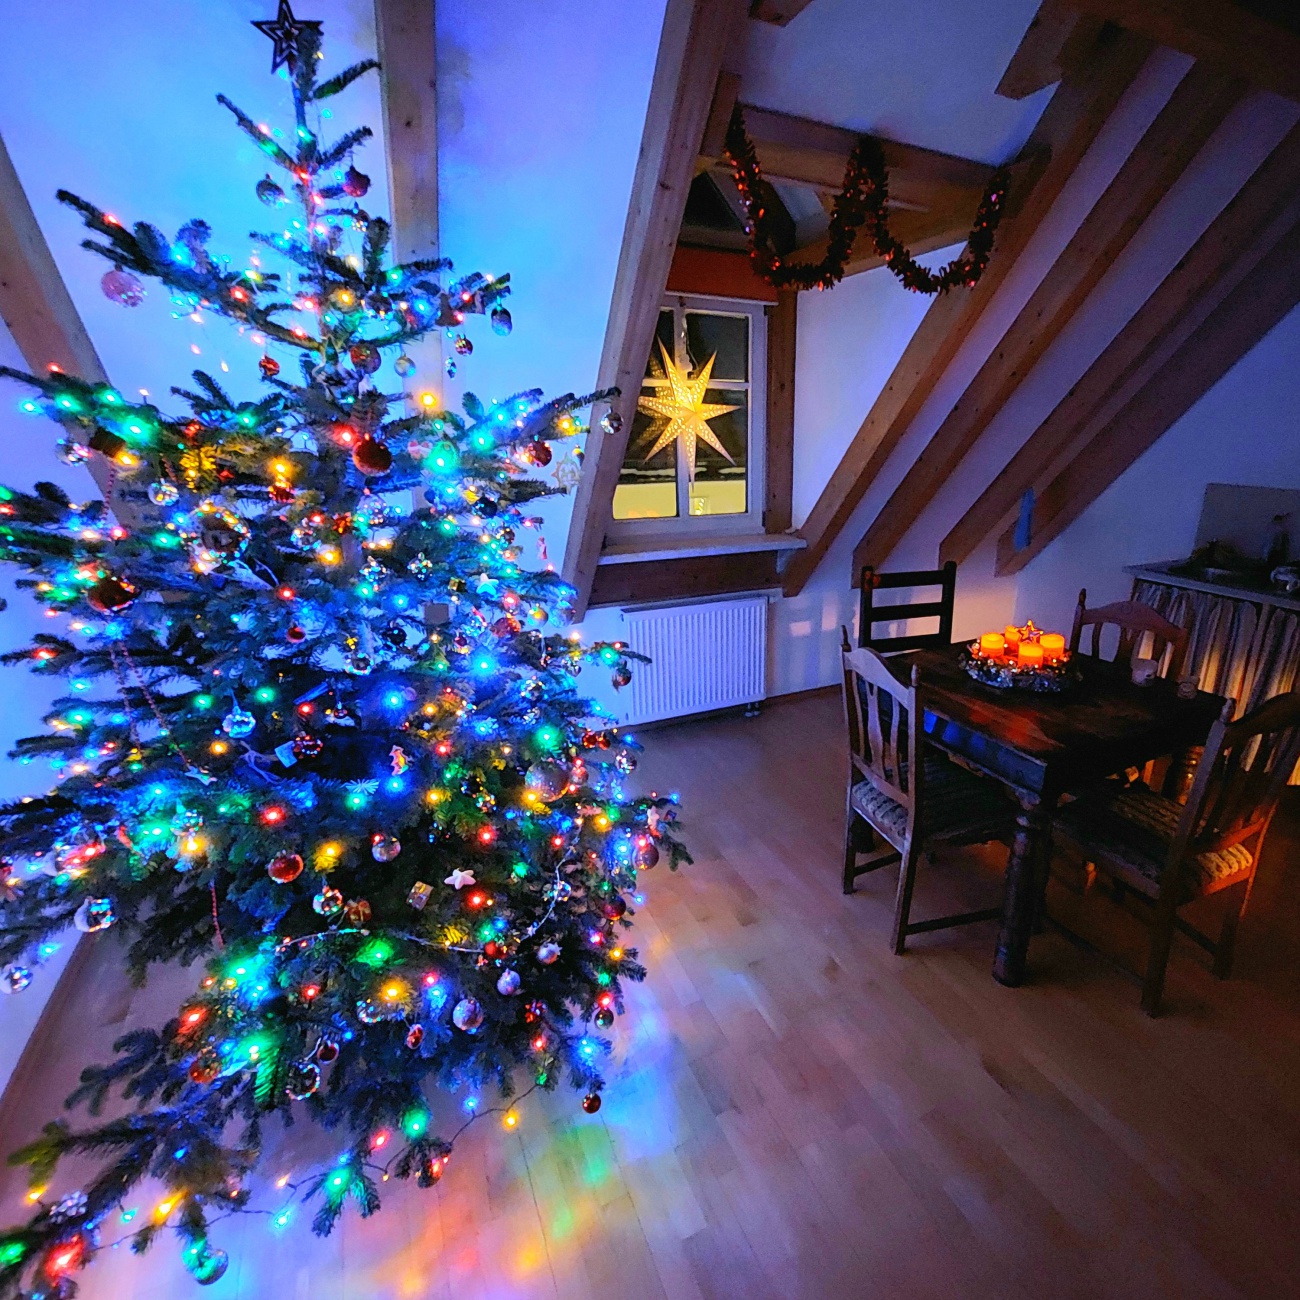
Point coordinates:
[(706, 656)]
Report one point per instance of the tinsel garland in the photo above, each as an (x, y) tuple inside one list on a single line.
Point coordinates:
[(863, 201)]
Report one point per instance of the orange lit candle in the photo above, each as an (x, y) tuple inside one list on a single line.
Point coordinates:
[(1012, 635), (992, 643), (1053, 644), (1031, 654)]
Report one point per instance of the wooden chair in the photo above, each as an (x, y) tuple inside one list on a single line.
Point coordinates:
[(912, 803), (1134, 621), (1170, 853), (869, 613)]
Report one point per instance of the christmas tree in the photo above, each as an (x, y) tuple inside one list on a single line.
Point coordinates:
[(320, 733)]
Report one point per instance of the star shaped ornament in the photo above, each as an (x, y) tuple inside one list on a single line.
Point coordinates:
[(683, 413), (285, 31), (459, 879)]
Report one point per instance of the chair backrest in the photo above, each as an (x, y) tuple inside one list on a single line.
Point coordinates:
[(1134, 621), (884, 727), (870, 613), (1240, 777)]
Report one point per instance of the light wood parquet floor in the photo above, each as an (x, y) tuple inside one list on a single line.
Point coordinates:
[(795, 1112)]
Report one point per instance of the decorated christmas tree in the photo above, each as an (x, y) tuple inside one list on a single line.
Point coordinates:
[(321, 733)]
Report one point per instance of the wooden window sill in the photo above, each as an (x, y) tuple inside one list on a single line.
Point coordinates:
[(636, 550)]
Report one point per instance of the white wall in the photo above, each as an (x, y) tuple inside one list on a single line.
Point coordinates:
[(1246, 430), (540, 113), (849, 337)]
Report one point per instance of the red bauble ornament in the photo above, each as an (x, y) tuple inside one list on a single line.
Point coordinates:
[(327, 1051), (365, 357), (111, 595), (295, 635), (355, 183), (284, 867), (614, 908), (205, 1067), (540, 453), (415, 1036), (372, 457), (591, 1103), (269, 367)]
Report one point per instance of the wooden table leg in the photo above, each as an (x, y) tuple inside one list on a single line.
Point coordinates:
[(1021, 903)]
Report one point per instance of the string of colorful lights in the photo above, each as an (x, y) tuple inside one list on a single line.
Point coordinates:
[(321, 732)]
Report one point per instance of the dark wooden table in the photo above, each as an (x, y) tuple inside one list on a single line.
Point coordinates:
[(1040, 746)]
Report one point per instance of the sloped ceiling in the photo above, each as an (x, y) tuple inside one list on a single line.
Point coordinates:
[(922, 73)]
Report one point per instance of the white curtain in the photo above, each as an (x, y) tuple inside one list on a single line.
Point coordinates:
[(1237, 647)]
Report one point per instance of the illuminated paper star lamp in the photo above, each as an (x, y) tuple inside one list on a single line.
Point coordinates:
[(684, 413)]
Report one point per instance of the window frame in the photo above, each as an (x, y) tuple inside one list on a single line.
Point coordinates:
[(686, 525)]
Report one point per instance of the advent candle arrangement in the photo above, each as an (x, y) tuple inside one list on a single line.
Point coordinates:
[(1020, 656)]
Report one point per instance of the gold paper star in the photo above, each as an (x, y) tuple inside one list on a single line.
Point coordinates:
[(684, 414)]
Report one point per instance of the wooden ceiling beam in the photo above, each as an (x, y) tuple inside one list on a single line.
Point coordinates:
[(1257, 216), (1229, 35), (1258, 302), (1193, 112), (1077, 110), (38, 310), (779, 12), (694, 37), (34, 302), (813, 153), (1057, 38)]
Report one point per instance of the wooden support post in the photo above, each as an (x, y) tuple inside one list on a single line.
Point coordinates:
[(782, 331), (695, 34), (1195, 109), (405, 36), (1078, 109)]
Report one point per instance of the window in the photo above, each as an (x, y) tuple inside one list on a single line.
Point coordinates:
[(695, 453)]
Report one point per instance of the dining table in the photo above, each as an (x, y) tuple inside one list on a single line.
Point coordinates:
[(1043, 745)]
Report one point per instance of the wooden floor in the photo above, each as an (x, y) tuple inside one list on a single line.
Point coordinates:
[(795, 1112)]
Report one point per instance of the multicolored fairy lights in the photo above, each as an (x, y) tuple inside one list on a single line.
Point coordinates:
[(321, 738)]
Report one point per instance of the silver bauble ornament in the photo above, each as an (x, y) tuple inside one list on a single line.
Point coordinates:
[(508, 983), (163, 493), (93, 915), (384, 848), (501, 321), (302, 1079), (404, 365), (547, 779), (270, 193), (237, 723), (548, 953), (612, 423), (468, 1015)]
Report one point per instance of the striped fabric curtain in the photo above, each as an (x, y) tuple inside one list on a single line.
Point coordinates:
[(1236, 647)]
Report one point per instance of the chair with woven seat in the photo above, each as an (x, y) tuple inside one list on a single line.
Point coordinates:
[(1135, 621), (1170, 853), (905, 793)]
